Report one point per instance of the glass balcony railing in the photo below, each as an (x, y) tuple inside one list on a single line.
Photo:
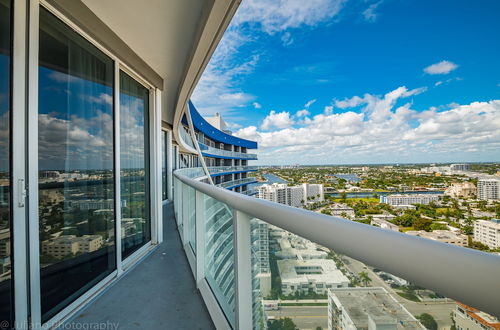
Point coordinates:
[(225, 153), (186, 137), (263, 261), (214, 170), (239, 182)]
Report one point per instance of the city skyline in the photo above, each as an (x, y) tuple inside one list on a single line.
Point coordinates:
[(359, 81)]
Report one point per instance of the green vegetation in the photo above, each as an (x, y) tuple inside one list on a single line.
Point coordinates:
[(427, 321), (409, 295)]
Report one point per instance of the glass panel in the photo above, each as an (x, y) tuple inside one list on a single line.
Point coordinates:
[(219, 254), (191, 218), (134, 180), (6, 311), (164, 164), (76, 181)]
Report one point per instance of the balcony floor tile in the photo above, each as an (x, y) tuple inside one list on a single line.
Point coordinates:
[(159, 293)]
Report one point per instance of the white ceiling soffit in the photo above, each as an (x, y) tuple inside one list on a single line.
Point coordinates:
[(174, 37)]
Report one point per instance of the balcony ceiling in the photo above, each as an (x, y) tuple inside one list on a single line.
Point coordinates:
[(175, 38)]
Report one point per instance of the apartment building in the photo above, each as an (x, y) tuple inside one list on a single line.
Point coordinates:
[(367, 308), (444, 236), (67, 245), (311, 275), (461, 190), (295, 196), (488, 189), (460, 167), (409, 199), (487, 233), (470, 318)]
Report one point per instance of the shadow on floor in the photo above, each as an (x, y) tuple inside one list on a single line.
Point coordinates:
[(159, 293)]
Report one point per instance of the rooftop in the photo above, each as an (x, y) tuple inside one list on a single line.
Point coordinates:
[(376, 303)]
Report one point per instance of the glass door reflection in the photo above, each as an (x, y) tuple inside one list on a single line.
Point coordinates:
[(134, 163)]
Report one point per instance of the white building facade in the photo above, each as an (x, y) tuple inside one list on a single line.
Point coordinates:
[(488, 189), (487, 233)]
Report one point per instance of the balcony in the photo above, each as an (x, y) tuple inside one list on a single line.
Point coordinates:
[(222, 170), (226, 154), (237, 183), (218, 230)]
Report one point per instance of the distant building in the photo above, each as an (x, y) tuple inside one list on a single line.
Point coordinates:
[(316, 275), (487, 232), (294, 196), (384, 224), (469, 318), (367, 308), (445, 236), (461, 190), (409, 199), (340, 210), (488, 189), (70, 244), (460, 167)]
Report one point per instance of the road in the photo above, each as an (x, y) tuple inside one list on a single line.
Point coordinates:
[(305, 317), (439, 310)]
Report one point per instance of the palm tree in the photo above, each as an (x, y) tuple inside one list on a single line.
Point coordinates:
[(363, 276)]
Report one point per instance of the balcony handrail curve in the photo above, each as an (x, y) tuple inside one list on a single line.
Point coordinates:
[(463, 274)]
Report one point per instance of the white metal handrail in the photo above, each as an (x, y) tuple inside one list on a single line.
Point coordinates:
[(467, 275)]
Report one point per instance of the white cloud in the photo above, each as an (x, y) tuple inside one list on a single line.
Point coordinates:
[(302, 113), (369, 13), (217, 90), (277, 120), (443, 67), (309, 103), (383, 132), (447, 81), (280, 15), (257, 105)]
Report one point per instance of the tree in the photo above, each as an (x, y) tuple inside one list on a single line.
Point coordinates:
[(281, 324), (428, 321), (365, 279), (343, 196), (422, 224)]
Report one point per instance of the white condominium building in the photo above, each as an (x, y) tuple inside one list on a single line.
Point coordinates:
[(488, 189), (294, 196), (487, 232), (445, 236), (317, 275), (367, 308), (409, 199)]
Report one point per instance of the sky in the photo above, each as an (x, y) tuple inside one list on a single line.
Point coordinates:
[(360, 81)]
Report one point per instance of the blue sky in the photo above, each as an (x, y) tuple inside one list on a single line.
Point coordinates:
[(332, 81)]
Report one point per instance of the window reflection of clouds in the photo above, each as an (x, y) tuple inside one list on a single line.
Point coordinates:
[(72, 122)]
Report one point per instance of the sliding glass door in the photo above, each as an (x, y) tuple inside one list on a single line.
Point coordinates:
[(6, 279), (75, 161), (134, 163)]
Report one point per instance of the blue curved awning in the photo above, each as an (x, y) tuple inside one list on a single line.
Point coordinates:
[(213, 133)]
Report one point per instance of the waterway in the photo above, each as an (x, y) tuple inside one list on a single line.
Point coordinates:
[(270, 179)]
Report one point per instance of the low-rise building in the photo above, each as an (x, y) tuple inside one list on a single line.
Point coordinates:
[(445, 236), (469, 318), (341, 210), (487, 232), (409, 199), (382, 223), (316, 275), (367, 308), (461, 190), (70, 244)]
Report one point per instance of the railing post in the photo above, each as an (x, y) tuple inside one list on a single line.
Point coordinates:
[(200, 237), (243, 270)]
